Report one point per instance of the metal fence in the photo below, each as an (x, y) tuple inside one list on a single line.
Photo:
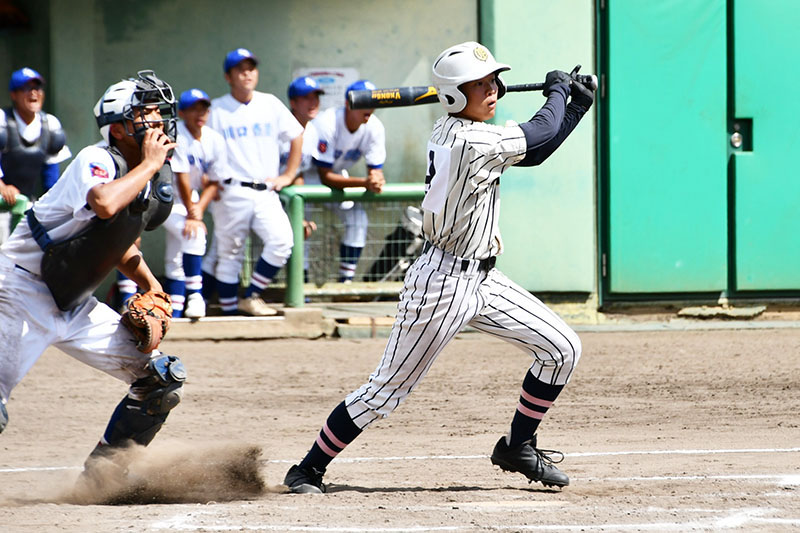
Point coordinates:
[(393, 240)]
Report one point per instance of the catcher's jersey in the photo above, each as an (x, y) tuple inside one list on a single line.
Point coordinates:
[(306, 168), (63, 210), (253, 133), (462, 184), (196, 157), (339, 148)]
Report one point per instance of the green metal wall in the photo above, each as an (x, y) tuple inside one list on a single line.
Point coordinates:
[(667, 154), (548, 212), (685, 211), (765, 181)]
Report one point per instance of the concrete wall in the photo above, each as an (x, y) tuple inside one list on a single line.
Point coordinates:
[(548, 212), (185, 43)]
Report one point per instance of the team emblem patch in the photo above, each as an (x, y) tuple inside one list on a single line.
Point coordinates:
[(481, 53), (322, 147), (98, 171)]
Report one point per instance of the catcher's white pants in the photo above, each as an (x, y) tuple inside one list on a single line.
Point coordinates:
[(176, 244), (443, 294), (30, 322), (239, 210)]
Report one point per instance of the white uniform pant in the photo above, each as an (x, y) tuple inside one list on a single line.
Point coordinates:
[(30, 322), (177, 244), (440, 297), (355, 222), (240, 210)]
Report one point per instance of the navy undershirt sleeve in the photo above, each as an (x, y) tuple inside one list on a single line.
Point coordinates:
[(548, 128)]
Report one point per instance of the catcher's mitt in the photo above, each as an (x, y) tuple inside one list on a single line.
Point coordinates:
[(148, 316)]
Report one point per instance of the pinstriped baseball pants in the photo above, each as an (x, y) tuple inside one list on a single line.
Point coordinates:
[(443, 294)]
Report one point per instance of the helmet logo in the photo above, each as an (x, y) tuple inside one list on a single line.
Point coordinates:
[(481, 53)]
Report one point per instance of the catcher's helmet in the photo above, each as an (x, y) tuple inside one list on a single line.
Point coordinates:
[(121, 99), (462, 63)]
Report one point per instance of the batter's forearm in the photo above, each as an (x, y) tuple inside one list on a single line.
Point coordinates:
[(572, 116)]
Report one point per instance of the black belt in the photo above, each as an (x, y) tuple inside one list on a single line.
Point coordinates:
[(484, 265), (250, 184)]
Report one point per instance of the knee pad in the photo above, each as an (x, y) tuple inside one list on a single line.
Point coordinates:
[(3, 417), (139, 420)]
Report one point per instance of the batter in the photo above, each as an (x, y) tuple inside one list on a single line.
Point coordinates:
[(454, 283)]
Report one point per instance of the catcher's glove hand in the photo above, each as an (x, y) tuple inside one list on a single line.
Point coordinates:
[(148, 316)]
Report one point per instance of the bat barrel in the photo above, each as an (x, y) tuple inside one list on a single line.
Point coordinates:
[(393, 97), (408, 96)]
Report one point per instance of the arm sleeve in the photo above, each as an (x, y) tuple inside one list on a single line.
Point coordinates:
[(49, 175), (548, 128)]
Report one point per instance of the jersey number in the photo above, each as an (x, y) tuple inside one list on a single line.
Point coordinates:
[(436, 178)]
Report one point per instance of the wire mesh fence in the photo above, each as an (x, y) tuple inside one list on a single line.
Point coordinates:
[(393, 241)]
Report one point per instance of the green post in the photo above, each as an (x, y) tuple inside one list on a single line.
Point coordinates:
[(294, 272)]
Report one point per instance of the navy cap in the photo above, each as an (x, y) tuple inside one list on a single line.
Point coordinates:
[(191, 97), (22, 76), (235, 57), (360, 85), (304, 85)]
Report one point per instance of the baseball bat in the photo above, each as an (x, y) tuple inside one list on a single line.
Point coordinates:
[(421, 94)]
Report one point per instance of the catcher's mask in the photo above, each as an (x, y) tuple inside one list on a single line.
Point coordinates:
[(128, 101)]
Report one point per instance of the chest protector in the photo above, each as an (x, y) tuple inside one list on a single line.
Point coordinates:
[(22, 161), (73, 269)]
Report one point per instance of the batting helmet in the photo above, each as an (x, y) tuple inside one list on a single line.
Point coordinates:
[(462, 63), (122, 99)]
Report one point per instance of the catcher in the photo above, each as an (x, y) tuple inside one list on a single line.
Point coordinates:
[(72, 238)]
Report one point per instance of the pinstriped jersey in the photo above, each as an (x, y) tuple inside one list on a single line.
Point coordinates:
[(462, 184)]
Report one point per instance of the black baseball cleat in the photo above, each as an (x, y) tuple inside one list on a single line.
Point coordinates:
[(527, 459), (304, 480)]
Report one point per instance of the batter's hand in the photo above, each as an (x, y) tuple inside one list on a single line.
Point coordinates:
[(9, 194), (155, 147), (279, 182), (553, 78)]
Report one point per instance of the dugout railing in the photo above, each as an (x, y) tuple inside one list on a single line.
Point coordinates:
[(393, 239)]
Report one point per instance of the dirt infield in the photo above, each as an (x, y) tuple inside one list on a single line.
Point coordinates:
[(663, 431)]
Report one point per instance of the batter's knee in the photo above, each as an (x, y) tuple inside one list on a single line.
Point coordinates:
[(569, 354)]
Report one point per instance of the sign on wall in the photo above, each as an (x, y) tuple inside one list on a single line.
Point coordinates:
[(332, 80)]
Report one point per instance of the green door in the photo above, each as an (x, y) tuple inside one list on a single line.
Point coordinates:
[(666, 185), (765, 172)]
